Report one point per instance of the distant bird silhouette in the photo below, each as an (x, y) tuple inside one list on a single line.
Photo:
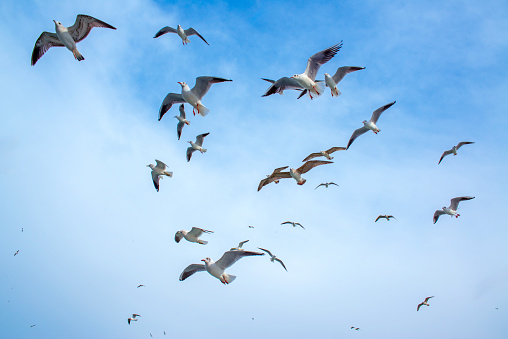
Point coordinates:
[(355, 328), (293, 223), (326, 184), (16, 252), (424, 303), (273, 258), (140, 286), (454, 149), (452, 209), (133, 318), (239, 248), (387, 217)]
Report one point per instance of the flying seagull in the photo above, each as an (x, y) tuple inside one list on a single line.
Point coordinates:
[(297, 174), (191, 96), (181, 121), (326, 184), (67, 36), (355, 328), (157, 171), (16, 252), (239, 248), (454, 149), (192, 235), (184, 34), (332, 81), (251, 226), (140, 286), (325, 154), (274, 177), (273, 258), (217, 268), (196, 146), (292, 223), (387, 217), (32, 325), (133, 318), (281, 85), (452, 209), (369, 125), (424, 303)]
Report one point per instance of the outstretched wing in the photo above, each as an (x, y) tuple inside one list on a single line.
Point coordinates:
[(445, 153), (169, 100), (342, 71), (83, 26), (356, 134), (427, 299), (460, 144), (230, 257), (379, 217), (160, 165), (179, 128), (377, 113), (46, 41), (267, 251), (190, 150), (319, 185), (190, 270), (312, 156), (335, 149), (311, 164), (454, 203), (277, 259), (320, 58), (203, 84), (199, 139), (164, 30), (155, 179), (281, 85), (437, 214), (192, 31)]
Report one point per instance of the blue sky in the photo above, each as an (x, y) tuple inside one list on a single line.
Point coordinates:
[(76, 137)]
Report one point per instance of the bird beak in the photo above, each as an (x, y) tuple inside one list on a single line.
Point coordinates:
[(203, 260), (54, 21), (179, 82)]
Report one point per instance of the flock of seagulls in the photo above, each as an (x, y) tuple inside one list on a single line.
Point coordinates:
[(305, 82)]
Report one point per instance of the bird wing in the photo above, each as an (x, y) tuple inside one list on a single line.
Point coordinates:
[(155, 178), (45, 41), (312, 156), (342, 71), (320, 58), (356, 134), (332, 183), (311, 164), (445, 153), (278, 170), (287, 222), (230, 257), (297, 223), (267, 251), (419, 305), (192, 31), (169, 100), (281, 85), (198, 231), (427, 299), (437, 214), (277, 259), (379, 217), (190, 270), (265, 182), (319, 185), (460, 144), (203, 84), (83, 26), (334, 149), (190, 150), (178, 236), (199, 139), (271, 178), (241, 243), (179, 128), (377, 113), (160, 165), (164, 30), (182, 111), (454, 203)]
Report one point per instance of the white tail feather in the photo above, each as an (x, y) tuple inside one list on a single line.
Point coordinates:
[(318, 89), (202, 109), (169, 174), (203, 150)]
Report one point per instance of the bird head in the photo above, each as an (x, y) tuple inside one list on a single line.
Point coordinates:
[(182, 83), (364, 122), (302, 181), (151, 166), (296, 76), (206, 260)]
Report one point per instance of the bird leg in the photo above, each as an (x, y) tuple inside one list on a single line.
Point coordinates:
[(457, 215)]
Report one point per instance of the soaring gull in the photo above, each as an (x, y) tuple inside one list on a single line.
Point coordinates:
[(196, 146), (387, 217), (133, 318), (273, 258), (217, 268), (67, 36), (325, 154), (184, 34), (292, 223), (454, 149), (332, 81), (192, 235), (424, 303), (181, 121), (326, 184), (297, 174), (274, 177), (452, 209), (157, 171)]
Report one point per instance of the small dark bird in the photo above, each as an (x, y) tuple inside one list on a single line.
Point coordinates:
[(133, 318), (326, 184), (140, 286), (424, 303), (293, 223), (32, 325), (387, 217), (251, 226), (21, 229), (16, 252), (355, 328), (151, 335), (273, 258)]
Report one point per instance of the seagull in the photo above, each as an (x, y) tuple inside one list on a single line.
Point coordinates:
[(371, 124), (16, 252), (239, 248), (452, 210), (192, 235), (133, 318), (332, 81), (140, 286), (355, 328), (306, 79), (32, 325), (184, 34), (282, 84), (181, 121), (21, 229), (274, 177), (217, 268), (454, 149), (67, 36), (293, 223), (273, 258), (251, 226), (325, 154), (191, 96), (196, 146), (326, 184), (157, 171), (424, 303), (297, 174), (387, 217)]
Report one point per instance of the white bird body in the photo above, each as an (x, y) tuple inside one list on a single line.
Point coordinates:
[(193, 100), (192, 235), (182, 120), (333, 86), (240, 246), (65, 37), (326, 155), (181, 34), (216, 271), (372, 126), (297, 173), (196, 146), (297, 176), (157, 171)]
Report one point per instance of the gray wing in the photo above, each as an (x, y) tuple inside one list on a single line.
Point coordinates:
[(460, 144), (198, 231), (267, 251), (179, 128), (178, 236), (287, 222), (445, 153), (312, 156), (83, 26), (427, 299), (332, 183), (377, 113), (203, 84), (272, 178), (230, 257), (334, 149), (319, 185), (190, 150), (46, 41), (454, 203), (164, 30), (155, 178), (277, 259), (190, 270), (169, 100), (199, 139), (160, 165), (192, 31), (278, 170), (281, 85), (297, 223), (311, 164), (182, 111), (320, 58), (437, 214), (356, 134), (342, 71)]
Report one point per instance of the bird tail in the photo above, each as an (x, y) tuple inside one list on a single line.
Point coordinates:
[(203, 242), (319, 88), (202, 109), (230, 278), (187, 40), (203, 150), (336, 92), (78, 55), (169, 174)]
